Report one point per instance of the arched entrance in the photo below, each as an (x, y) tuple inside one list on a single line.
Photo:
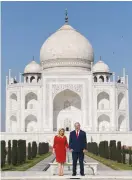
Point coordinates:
[(66, 110), (67, 124)]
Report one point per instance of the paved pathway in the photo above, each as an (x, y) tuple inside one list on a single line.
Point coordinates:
[(101, 167), (42, 165)]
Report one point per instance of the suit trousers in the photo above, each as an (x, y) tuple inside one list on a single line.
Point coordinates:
[(75, 157)]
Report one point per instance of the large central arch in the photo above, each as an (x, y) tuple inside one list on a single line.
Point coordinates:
[(66, 110), (103, 122)]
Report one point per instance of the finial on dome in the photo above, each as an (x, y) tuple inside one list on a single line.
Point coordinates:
[(66, 16)]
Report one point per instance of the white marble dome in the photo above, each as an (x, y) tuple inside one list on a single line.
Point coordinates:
[(32, 67), (66, 47), (100, 66)]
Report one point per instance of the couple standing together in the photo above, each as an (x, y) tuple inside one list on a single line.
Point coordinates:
[(77, 145)]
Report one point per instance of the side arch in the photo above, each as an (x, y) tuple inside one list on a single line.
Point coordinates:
[(103, 100), (103, 122), (121, 101), (31, 123), (13, 101), (121, 123), (101, 78), (13, 123), (31, 101)]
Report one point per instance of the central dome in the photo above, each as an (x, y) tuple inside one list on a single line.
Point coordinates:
[(67, 48)]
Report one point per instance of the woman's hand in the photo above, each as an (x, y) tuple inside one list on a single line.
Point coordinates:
[(53, 151), (67, 149)]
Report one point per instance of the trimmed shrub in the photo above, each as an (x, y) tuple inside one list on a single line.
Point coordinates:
[(40, 149), (29, 151), (20, 152), (14, 154), (119, 154), (123, 155), (34, 149), (9, 152), (106, 149), (3, 153), (113, 150), (24, 151), (130, 156)]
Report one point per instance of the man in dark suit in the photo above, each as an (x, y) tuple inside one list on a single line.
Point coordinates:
[(77, 145)]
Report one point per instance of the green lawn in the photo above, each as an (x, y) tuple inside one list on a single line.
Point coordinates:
[(114, 165), (27, 165)]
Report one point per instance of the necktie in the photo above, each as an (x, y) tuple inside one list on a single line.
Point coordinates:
[(77, 134)]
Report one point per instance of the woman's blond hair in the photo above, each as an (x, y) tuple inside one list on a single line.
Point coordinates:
[(60, 130)]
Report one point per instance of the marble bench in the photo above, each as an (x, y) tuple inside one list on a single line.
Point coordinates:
[(91, 165)]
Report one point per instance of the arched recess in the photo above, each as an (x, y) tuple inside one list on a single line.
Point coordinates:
[(121, 123), (66, 110), (26, 79), (101, 79), (107, 78), (103, 101), (95, 79), (13, 101), (32, 79), (31, 123), (121, 101), (38, 79), (104, 122), (13, 123), (31, 101)]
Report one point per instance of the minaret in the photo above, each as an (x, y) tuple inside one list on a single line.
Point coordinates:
[(66, 16)]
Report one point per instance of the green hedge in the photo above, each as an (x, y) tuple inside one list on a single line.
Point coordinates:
[(21, 151), (14, 153), (29, 151), (34, 149), (130, 157), (110, 151), (9, 152), (119, 152), (17, 153), (3, 153)]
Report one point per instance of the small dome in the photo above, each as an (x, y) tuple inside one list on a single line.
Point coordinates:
[(66, 47), (100, 66), (32, 67)]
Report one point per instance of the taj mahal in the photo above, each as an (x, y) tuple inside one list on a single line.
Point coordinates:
[(67, 86)]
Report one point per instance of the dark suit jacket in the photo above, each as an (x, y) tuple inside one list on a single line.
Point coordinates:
[(77, 144)]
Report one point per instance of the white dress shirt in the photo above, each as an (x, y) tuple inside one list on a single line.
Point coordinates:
[(78, 132)]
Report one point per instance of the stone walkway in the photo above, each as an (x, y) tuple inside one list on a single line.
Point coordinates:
[(101, 167), (42, 165)]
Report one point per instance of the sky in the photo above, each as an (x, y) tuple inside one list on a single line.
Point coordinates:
[(26, 25)]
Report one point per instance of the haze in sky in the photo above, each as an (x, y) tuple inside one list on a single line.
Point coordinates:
[(26, 25)]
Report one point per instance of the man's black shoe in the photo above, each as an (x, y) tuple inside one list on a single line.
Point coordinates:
[(73, 174), (82, 174)]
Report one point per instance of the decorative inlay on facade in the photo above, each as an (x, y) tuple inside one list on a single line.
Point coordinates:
[(103, 90), (73, 87), (66, 62)]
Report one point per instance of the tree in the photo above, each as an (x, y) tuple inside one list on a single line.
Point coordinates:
[(14, 154), (130, 156), (123, 155), (9, 152), (34, 149), (3, 153), (29, 151), (106, 149), (119, 155)]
